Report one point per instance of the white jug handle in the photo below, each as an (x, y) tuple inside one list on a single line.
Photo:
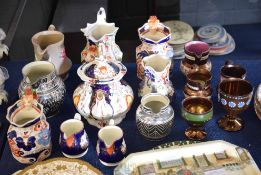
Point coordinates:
[(43, 117), (101, 15), (111, 122), (77, 116)]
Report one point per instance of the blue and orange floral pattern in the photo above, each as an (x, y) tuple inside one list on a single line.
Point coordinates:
[(44, 137)]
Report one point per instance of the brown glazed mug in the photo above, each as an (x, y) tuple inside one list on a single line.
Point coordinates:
[(235, 95), (198, 84), (230, 70)]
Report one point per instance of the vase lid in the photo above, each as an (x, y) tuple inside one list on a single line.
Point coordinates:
[(101, 72), (154, 32)]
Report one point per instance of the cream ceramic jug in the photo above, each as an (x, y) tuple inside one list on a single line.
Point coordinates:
[(156, 73), (49, 46)]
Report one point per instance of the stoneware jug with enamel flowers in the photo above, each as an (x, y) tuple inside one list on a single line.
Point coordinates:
[(100, 32), (103, 95), (29, 134)]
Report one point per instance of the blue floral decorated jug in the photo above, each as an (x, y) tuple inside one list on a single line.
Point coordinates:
[(29, 134), (111, 147)]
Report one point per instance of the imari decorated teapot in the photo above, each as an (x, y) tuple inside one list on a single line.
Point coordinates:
[(154, 36), (103, 95), (101, 32), (29, 134)]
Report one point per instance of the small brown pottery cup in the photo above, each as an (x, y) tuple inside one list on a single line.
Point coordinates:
[(235, 96), (230, 70), (196, 111), (198, 84)]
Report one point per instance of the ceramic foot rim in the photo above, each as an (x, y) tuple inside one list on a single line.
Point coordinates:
[(195, 134), (109, 164), (230, 124), (75, 156)]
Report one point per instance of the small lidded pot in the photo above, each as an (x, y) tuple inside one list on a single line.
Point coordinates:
[(198, 84), (154, 116), (196, 57)]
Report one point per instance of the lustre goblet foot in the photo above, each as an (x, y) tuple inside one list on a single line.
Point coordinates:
[(235, 96), (196, 111)]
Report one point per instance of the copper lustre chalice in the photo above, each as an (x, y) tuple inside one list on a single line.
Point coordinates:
[(196, 111), (235, 96)]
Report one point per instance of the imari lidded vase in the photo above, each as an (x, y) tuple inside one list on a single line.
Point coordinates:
[(103, 95), (29, 134), (97, 33), (154, 36)]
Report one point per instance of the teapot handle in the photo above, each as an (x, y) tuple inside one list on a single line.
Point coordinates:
[(77, 116), (111, 122), (101, 15)]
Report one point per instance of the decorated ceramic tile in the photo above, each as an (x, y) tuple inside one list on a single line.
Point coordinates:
[(198, 158)]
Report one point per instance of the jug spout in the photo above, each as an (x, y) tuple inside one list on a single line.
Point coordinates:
[(39, 53)]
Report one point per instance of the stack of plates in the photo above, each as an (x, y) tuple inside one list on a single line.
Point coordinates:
[(181, 33), (220, 42)]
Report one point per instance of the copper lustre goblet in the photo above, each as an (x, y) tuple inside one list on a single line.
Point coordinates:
[(235, 96), (196, 111)]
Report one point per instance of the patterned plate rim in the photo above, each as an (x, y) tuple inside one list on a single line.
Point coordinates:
[(81, 162), (175, 144)]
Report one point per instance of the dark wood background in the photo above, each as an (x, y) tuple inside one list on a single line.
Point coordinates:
[(22, 19)]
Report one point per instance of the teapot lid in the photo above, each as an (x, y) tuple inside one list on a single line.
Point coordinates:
[(101, 72)]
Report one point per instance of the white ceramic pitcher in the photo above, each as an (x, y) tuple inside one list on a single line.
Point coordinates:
[(101, 32)]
